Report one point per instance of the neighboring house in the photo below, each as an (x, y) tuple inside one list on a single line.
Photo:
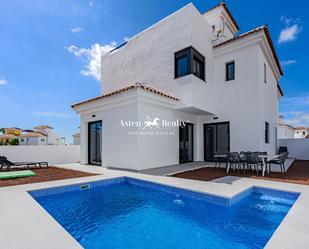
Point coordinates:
[(9, 135), (301, 132), (40, 135), (52, 137), (285, 130), (193, 68), (32, 138), (76, 138)]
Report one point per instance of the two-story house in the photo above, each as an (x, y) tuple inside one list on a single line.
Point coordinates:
[(183, 90), (40, 135)]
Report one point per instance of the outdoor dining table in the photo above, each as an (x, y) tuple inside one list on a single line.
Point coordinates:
[(264, 158)]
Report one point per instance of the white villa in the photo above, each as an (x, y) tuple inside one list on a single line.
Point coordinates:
[(183, 90), (40, 135), (285, 130)]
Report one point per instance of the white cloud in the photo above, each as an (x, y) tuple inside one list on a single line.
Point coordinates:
[(3, 82), (296, 102), (126, 38), (51, 114), (77, 29), (291, 30), (92, 57), (298, 119), (288, 62)]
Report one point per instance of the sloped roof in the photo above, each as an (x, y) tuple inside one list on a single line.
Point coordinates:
[(8, 136), (125, 89), (43, 127), (32, 134), (253, 31), (223, 4), (301, 128)]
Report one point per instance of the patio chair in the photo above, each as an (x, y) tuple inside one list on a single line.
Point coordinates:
[(279, 161), (233, 158), (282, 149), (4, 162), (244, 155), (252, 160), (219, 160)]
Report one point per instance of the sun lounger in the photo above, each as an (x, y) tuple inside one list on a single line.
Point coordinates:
[(4, 162)]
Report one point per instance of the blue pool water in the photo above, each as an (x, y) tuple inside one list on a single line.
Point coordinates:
[(129, 213)]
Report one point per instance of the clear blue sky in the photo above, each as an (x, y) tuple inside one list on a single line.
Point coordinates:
[(49, 51)]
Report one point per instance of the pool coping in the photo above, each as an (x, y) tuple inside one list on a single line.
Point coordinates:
[(25, 224)]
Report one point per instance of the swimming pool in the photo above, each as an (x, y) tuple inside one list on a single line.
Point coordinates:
[(129, 213)]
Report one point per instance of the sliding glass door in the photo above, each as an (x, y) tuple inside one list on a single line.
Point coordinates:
[(186, 143), (95, 142), (216, 140)]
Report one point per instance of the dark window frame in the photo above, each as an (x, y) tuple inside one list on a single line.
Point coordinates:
[(267, 132), (192, 56), (265, 73), (227, 76)]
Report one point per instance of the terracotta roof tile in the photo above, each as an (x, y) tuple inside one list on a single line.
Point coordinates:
[(227, 11), (125, 89), (32, 134), (43, 127)]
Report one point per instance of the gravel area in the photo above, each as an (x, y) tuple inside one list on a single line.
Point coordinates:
[(297, 173), (45, 175)]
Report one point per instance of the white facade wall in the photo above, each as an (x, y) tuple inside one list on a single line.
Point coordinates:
[(285, 132), (236, 100), (54, 138), (301, 133), (52, 154), (297, 148), (76, 140), (148, 58), (33, 140), (268, 104)]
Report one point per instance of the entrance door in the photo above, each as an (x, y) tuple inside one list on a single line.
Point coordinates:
[(186, 143), (94, 142), (216, 140)]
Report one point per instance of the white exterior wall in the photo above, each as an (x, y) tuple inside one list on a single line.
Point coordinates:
[(33, 141), (148, 58), (236, 100), (285, 132), (76, 140), (301, 133), (120, 149), (54, 138), (51, 154), (268, 104), (297, 148)]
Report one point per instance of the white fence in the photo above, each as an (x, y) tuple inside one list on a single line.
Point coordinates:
[(297, 147), (53, 154)]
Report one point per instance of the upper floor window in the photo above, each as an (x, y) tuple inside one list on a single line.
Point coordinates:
[(265, 73), (266, 132), (189, 61), (230, 71)]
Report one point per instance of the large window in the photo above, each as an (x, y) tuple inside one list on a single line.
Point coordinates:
[(230, 71), (266, 132), (189, 61)]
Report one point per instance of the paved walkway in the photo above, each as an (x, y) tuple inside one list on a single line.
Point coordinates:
[(177, 168)]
